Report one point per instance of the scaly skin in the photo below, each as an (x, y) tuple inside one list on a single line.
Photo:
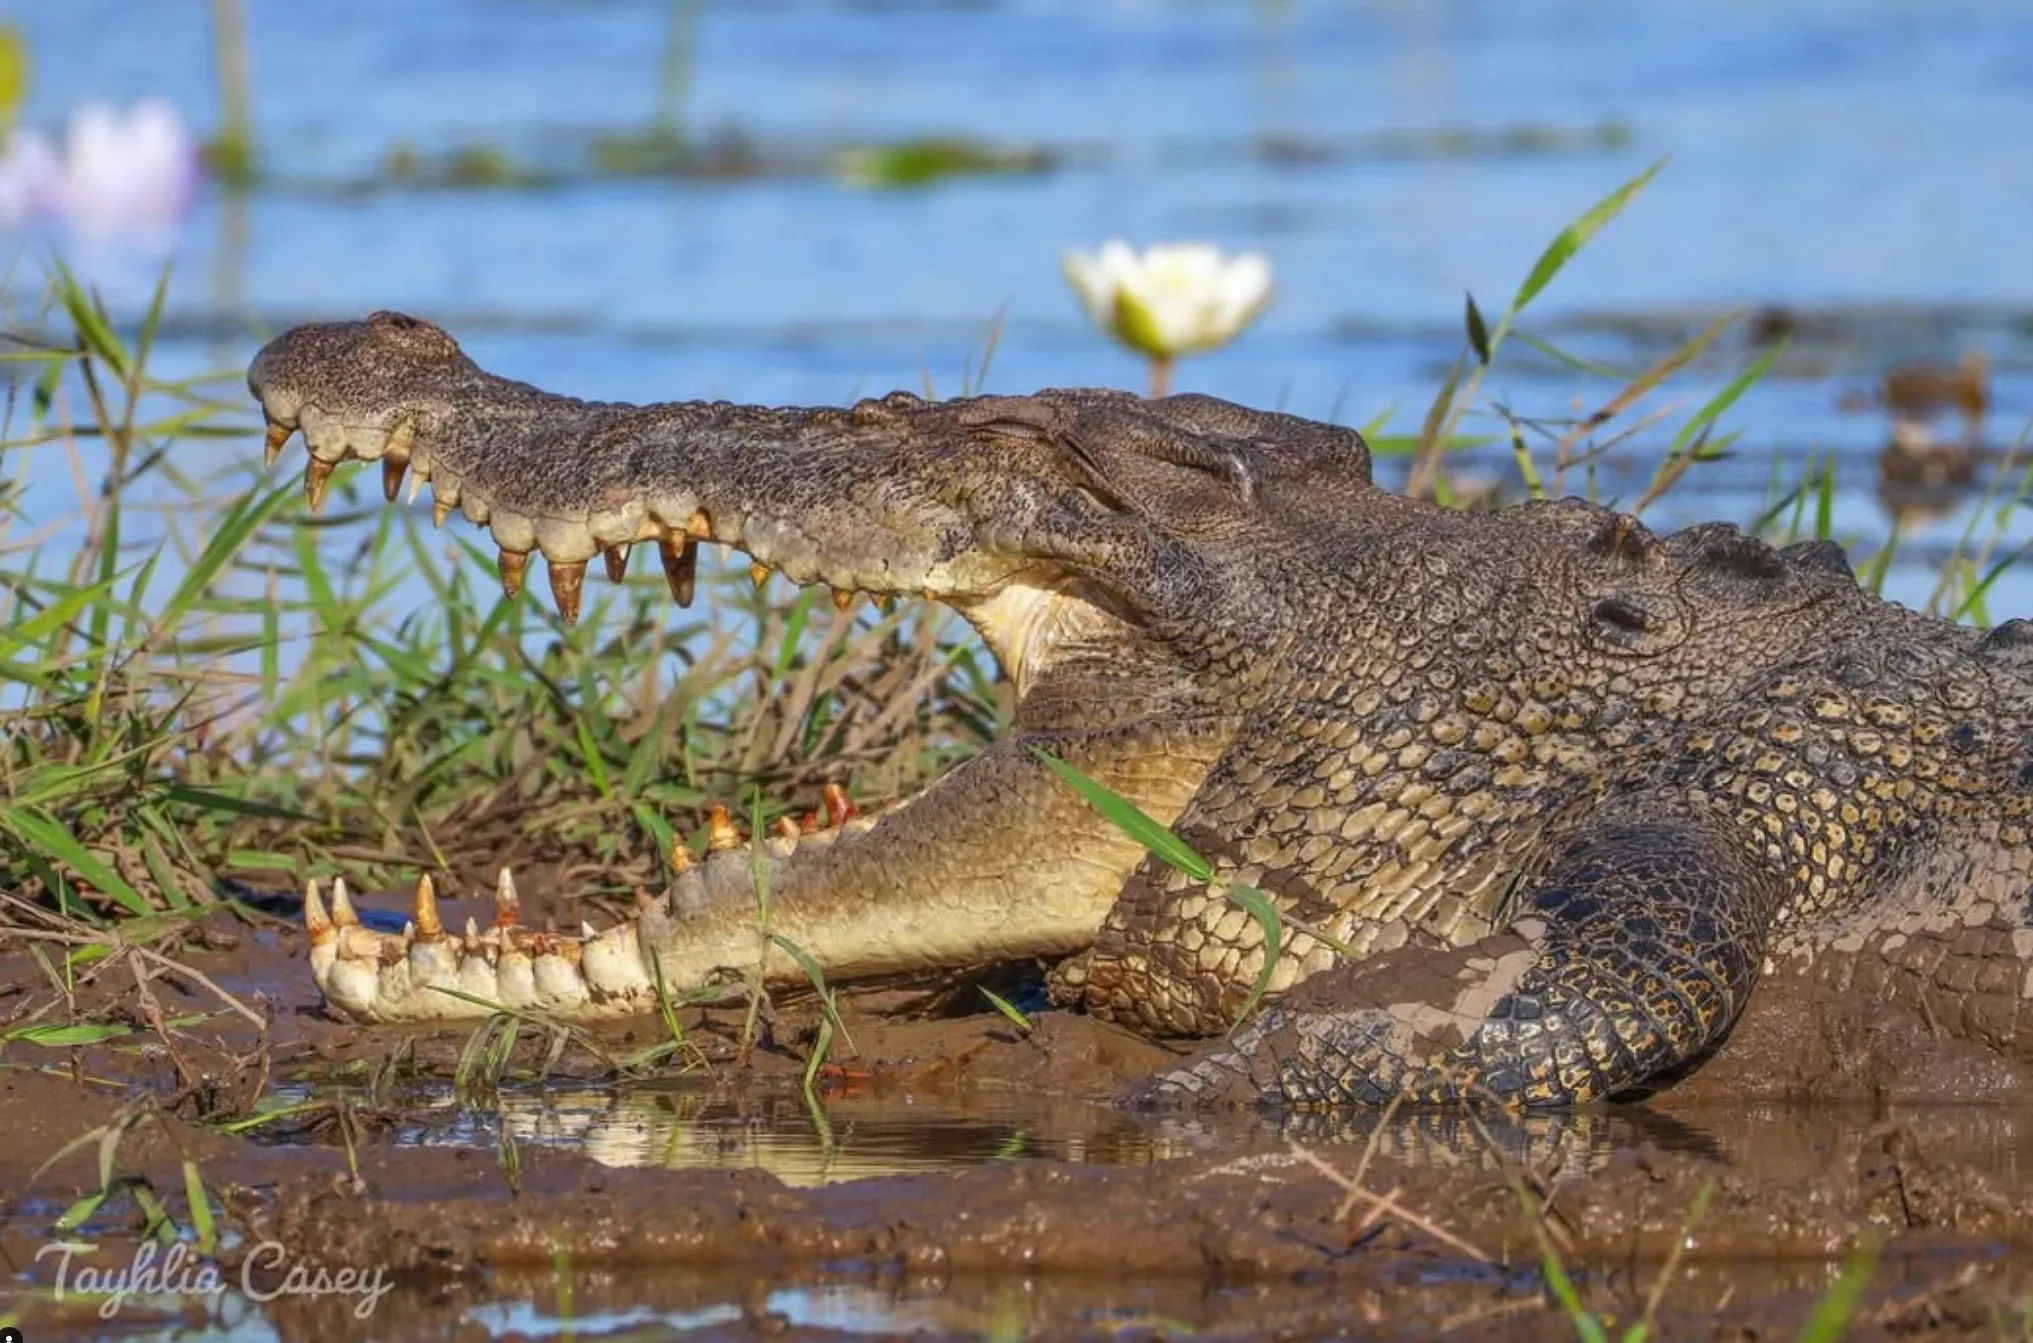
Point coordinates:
[(1566, 789)]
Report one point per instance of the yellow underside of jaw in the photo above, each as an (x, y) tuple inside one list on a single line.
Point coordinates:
[(1027, 620)]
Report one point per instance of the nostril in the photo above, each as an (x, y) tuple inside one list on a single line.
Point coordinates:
[(1620, 614), (1622, 622)]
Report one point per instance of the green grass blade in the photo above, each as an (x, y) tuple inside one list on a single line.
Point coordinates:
[(1572, 239), (59, 843), (1125, 816), (1272, 922), (1832, 1313), (1009, 1009), (201, 1209), (1724, 399)]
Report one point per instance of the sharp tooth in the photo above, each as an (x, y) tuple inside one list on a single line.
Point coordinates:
[(759, 573), (472, 934), (278, 434), (721, 833), (681, 568), (342, 905), (408, 935), (840, 808), (567, 581), (681, 858), (700, 528), (315, 475), (441, 509), (843, 599), (787, 828), (513, 563), (428, 925), (617, 562), (393, 469), (507, 904), (586, 933), (316, 921), (416, 485)]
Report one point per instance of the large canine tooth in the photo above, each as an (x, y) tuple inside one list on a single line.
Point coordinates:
[(507, 904), (567, 582), (278, 434), (316, 921), (513, 564), (316, 472), (617, 562), (428, 926), (444, 497), (721, 833), (681, 567), (342, 905), (393, 469)]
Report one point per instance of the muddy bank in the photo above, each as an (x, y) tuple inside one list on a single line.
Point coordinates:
[(1234, 1223)]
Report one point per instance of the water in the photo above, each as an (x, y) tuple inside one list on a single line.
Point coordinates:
[(1858, 162)]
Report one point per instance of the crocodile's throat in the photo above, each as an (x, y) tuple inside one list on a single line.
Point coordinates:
[(1034, 621)]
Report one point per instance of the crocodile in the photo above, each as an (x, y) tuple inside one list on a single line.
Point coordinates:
[(1538, 795)]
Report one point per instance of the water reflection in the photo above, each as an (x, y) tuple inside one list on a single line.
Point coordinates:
[(887, 1131)]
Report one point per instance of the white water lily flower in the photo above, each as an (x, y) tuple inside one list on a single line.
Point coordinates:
[(1171, 299)]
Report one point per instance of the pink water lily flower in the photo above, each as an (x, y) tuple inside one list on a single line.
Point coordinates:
[(122, 172), (136, 170), (31, 178)]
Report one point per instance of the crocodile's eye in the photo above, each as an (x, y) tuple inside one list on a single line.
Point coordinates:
[(2010, 642), (1096, 502), (1740, 556), (1821, 557)]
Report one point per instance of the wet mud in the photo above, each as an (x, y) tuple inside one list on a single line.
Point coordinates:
[(955, 1174)]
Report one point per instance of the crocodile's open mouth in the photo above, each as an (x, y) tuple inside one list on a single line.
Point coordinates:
[(807, 494)]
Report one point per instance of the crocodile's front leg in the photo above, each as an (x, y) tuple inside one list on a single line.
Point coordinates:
[(1633, 954)]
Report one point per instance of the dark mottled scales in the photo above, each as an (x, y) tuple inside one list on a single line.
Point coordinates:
[(1566, 788)]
